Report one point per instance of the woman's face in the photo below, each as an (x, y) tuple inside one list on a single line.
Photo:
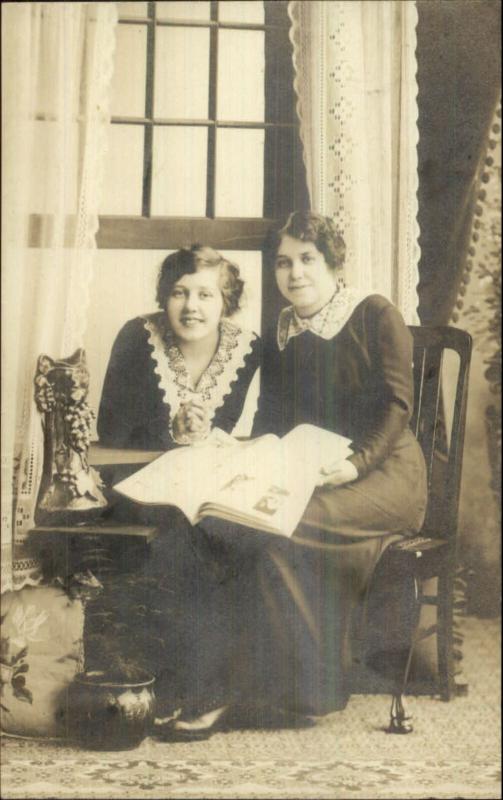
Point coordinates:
[(194, 306), (303, 276)]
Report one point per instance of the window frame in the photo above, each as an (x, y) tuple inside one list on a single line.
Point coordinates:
[(144, 232)]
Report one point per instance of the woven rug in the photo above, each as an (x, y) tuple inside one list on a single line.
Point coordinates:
[(454, 752)]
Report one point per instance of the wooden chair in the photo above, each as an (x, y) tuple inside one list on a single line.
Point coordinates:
[(432, 553)]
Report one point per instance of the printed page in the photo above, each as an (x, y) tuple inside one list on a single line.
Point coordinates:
[(265, 482), (189, 476), (316, 448), (184, 478), (267, 488)]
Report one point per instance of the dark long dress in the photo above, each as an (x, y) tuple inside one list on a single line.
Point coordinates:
[(155, 614), (359, 384)]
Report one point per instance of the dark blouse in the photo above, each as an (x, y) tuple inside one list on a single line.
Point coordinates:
[(135, 412), (358, 384)]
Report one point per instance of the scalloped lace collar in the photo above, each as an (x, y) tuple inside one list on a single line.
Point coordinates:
[(215, 382), (326, 323)]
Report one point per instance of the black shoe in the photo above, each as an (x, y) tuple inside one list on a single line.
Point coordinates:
[(176, 729), (168, 733)]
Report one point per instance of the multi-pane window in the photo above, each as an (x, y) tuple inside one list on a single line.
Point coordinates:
[(203, 113)]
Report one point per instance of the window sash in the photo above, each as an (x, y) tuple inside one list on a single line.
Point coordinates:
[(284, 176), (273, 24)]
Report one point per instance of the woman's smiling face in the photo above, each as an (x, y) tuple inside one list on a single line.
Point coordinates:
[(195, 304), (303, 276)]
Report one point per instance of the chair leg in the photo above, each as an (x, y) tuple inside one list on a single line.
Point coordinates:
[(445, 635), (400, 718)]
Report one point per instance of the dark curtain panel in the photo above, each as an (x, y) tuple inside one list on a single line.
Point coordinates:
[(459, 74)]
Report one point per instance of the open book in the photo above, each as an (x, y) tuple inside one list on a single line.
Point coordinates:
[(263, 483)]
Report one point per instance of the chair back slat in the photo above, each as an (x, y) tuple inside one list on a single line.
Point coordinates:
[(428, 416), (418, 367), (453, 482), (430, 345)]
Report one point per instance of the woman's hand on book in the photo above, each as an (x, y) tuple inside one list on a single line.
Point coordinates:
[(337, 474), (191, 423)]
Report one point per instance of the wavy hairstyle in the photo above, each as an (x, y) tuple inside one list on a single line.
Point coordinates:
[(186, 261), (309, 227)]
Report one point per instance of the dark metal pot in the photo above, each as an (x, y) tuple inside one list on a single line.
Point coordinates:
[(109, 714)]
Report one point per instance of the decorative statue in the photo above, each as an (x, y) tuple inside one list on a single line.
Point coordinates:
[(68, 483)]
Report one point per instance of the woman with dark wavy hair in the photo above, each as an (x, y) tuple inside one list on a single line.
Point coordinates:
[(342, 360), (175, 374)]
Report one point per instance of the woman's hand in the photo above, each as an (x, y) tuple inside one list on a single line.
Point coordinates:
[(191, 423), (337, 474)]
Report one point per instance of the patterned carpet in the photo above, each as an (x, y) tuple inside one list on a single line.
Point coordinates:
[(454, 752)]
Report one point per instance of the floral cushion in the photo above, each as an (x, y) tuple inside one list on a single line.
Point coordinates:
[(41, 650)]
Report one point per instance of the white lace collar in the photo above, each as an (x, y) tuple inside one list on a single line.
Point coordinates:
[(215, 382), (325, 323)]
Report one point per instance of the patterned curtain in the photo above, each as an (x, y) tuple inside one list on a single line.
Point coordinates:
[(478, 310), (57, 61), (357, 103)]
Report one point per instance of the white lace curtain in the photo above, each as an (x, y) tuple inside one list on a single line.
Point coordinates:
[(356, 87), (57, 61)]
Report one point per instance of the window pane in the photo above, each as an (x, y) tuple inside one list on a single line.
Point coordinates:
[(240, 93), (240, 173), (182, 58), (128, 85), (196, 10), (123, 179), (179, 171), (132, 9), (250, 11)]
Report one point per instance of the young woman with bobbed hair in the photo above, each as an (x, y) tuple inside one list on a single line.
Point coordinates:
[(172, 377), (175, 374)]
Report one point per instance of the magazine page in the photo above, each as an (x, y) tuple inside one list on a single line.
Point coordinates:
[(189, 476), (265, 482), (268, 486), (315, 447), (184, 477)]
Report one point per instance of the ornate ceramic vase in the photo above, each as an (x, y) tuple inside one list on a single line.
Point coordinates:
[(69, 485), (109, 714)]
